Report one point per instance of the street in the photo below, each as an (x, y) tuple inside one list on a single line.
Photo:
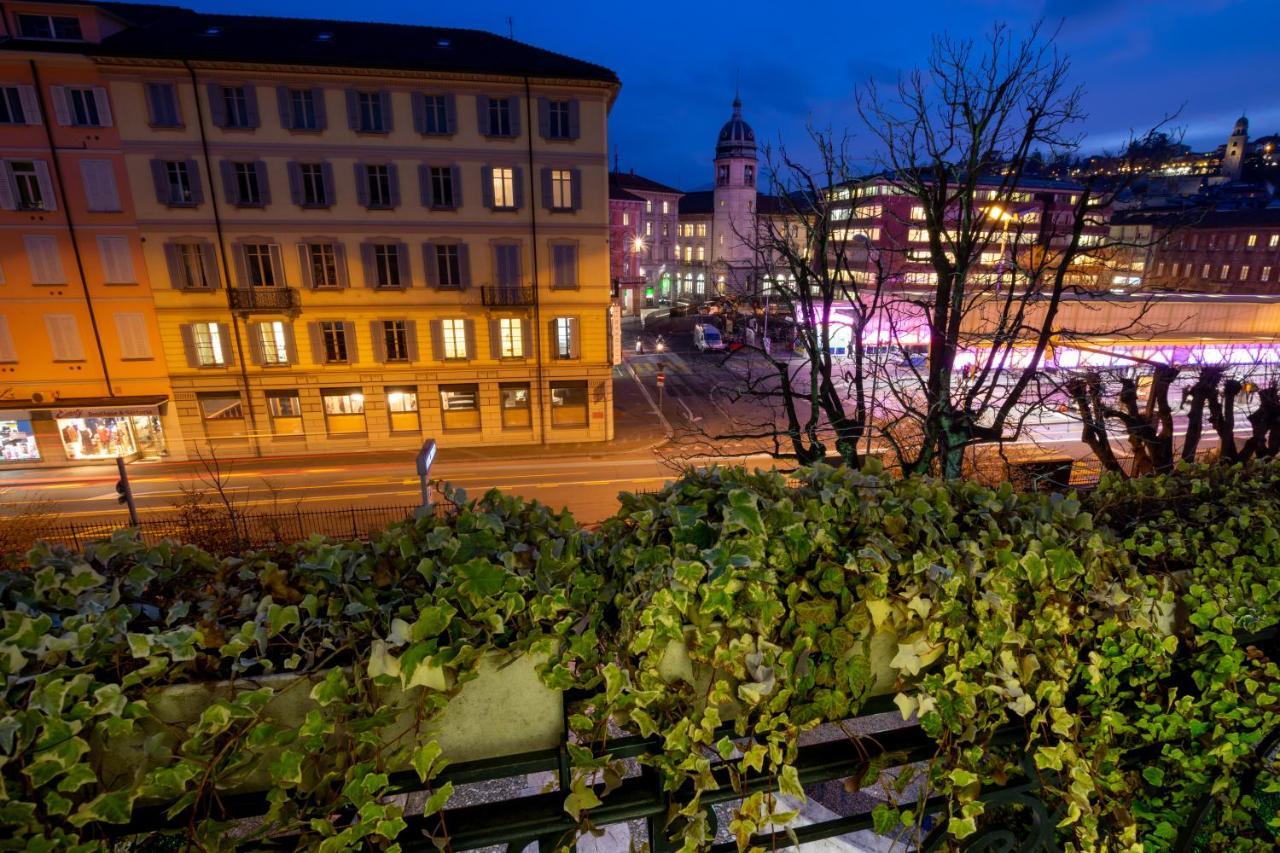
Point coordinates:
[(657, 429)]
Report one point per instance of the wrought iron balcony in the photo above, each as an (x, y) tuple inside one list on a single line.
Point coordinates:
[(264, 299), (493, 296)]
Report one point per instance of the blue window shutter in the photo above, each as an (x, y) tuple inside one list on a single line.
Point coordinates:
[(424, 185), (322, 117), (486, 185), (193, 178), (518, 180), (366, 260), (544, 118), (217, 106), (295, 183), (208, 253), (464, 266), (362, 184), (515, 115), (429, 264), (388, 118), (161, 178), (251, 104), (456, 178), (284, 103), (229, 188), (575, 175), (264, 185), (547, 198), (353, 110), (330, 188), (406, 271), (451, 113), (574, 127), (393, 178), (482, 114), (340, 258), (419, 104)]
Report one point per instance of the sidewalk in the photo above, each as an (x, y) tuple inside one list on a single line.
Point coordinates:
[(635, 428)]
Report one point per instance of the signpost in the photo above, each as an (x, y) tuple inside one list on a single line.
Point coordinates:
[(426, 456), (662, 380)]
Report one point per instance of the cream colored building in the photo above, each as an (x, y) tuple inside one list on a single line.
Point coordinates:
[(362, 235)]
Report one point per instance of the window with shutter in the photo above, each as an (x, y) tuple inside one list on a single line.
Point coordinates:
[(434, 115), (117, 260), (387, 271), (100, 185), (564, 265), (260, 265), (371, 112), (64, 337), (378, 189), (448, 266), (11, 107), (503, 188), (32, 189), (44, 260), (322, 264), (8, 352), (83, 106), (564, 343), (506, 265), (558, 120), (500, 117), (191, 266), (235, 107), (208, 345), (333, 340), (510, 337), (135, 343), (162, 102), (314, 187), (302, 109), (453, 338), (247, 186), (441, 183), (395, 340)]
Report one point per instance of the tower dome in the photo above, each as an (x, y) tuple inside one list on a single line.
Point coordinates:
[(1242, 127), (736, 139)]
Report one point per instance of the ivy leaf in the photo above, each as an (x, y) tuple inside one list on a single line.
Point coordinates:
[(480, 578), (114, 807), (906, 704), (789, 782), (438, 798), (424, 760), (743, 513), (582, 797), (1153, 775)]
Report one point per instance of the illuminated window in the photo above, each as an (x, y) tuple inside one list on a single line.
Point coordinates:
[(561, 189), (220, 406), (1244, 273), (285, 410), (453, 338), (460, 406), (1160, 268), (1204, 271), (569, 404), (702, 229), (666, 207), (402, 409), (917, 212), (702, 253), (206, 339), (565, 341), (648, 228), (510, 337), (504, 188), (1273, 241), (1224, 272), (1266, 274), (626, 218), (648, 205), (343, 409), (273, 343), (1252, 241)]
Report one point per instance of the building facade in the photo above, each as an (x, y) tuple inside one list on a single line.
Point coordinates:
[(1220, 251), (625, 250), (653, 237), (82, 370), (361, 235)]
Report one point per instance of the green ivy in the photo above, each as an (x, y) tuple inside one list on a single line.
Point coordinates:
[(724, 616)]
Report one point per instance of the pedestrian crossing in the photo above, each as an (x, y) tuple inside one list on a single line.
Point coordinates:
[(647, 365)]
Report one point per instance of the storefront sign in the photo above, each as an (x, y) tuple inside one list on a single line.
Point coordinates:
[(104, 412)]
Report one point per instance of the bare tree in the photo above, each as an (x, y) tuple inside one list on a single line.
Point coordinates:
[(817, 396), (957, 138)]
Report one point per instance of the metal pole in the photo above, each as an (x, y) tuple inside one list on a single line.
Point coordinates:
[(128, 492)]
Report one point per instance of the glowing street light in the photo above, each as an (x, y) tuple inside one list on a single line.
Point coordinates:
[(637, 245)]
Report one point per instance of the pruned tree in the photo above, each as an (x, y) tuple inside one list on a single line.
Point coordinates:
[(957, 138)]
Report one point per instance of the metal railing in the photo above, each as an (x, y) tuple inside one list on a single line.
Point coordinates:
[(495, 296), (264, 298), (223, 532)]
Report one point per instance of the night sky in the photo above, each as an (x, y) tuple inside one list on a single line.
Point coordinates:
[(799, 62)]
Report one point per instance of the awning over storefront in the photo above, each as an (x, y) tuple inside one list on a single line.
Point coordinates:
[(98, 407)]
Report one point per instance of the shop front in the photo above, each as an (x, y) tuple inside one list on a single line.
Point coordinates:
[(94, 434), (17, 439)]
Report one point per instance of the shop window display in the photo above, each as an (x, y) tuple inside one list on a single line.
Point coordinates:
[(17, 443), (96, 438)]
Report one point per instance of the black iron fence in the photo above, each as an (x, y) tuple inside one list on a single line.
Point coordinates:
[(222, 531)]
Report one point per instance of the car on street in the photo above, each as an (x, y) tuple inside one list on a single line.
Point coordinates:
[(706, 338)]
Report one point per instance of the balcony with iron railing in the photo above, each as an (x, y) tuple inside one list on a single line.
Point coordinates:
[(264, 299), (498, 296)]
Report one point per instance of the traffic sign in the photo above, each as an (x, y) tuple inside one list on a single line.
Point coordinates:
[(662, 378)]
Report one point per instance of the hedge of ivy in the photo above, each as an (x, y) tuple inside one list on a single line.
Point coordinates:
[(1040, 610)]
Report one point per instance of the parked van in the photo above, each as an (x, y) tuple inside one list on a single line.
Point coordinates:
[(706, 338)]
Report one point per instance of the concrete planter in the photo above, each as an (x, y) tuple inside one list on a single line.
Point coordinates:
[(505, 710)]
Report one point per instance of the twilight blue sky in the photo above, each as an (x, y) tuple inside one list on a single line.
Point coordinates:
[(799, 62)]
